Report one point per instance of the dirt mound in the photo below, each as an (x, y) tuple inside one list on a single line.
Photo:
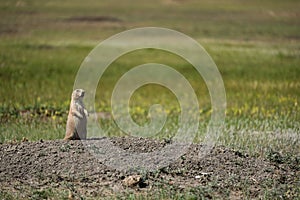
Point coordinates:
[(34, 169)]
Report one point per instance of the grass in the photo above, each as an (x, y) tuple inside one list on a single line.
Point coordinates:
[(169, 192), (258, 57), (255, 45), (260, 87)]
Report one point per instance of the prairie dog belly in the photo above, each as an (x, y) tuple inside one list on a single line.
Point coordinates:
[(80, 125)]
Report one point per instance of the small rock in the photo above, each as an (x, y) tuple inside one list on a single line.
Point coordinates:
[(203, 174), (131, 181)]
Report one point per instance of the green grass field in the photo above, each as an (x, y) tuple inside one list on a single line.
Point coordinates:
[(255, 44)]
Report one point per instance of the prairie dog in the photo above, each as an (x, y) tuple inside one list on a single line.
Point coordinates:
[(77, 118)]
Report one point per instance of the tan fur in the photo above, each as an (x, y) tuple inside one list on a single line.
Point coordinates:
[(77, 118)]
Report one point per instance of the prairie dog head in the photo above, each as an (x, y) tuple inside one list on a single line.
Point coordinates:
[(78, 94)]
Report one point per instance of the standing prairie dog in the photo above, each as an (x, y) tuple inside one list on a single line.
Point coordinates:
[(77, 118)]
